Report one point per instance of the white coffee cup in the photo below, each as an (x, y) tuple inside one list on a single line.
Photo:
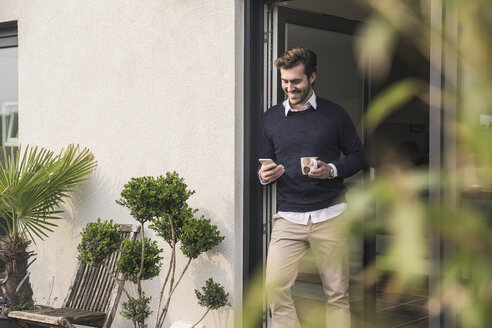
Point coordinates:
[(308, 164)]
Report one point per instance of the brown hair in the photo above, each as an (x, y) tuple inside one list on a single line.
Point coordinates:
[(295, 56)]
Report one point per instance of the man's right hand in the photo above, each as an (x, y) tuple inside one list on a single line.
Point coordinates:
[(271, 172)]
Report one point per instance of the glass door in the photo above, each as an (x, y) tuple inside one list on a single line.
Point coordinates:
[(339, 79)]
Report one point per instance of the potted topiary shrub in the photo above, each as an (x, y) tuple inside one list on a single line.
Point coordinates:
[(162, 204), (33, 183)]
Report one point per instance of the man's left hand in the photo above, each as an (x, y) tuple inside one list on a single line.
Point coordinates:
[(322, 172)]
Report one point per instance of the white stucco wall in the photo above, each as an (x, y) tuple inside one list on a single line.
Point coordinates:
[(149, 86)]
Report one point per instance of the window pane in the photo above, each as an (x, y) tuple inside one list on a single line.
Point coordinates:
[(9, 112)]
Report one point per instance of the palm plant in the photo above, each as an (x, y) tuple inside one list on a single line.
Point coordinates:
[(33, 184)]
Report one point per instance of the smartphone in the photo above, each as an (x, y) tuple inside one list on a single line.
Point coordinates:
[(265, 160)]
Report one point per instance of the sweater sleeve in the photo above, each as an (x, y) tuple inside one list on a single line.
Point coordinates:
[(351, 147)]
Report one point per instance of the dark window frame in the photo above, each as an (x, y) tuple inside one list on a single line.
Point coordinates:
[(253, 109), (8, 35)]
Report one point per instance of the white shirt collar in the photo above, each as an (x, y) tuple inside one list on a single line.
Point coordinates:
[(310, 103)]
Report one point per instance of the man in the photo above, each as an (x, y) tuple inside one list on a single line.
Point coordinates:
[(310, 206)]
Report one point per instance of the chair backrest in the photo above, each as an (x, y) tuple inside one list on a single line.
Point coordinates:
[(93, 288)]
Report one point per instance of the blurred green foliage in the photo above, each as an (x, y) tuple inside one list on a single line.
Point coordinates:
[(450, 201)]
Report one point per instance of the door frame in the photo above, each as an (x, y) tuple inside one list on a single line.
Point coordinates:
[(254, 227), (254, 89), (351, 27)]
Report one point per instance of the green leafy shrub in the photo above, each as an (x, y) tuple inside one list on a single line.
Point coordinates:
[(98, 241), (179, 217), (163, 202), (213, 296), (131, 257), (176, 208), (137, 310), (199, 236), (149, 197)]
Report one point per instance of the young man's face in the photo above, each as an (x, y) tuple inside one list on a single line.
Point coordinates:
[(296, 85)]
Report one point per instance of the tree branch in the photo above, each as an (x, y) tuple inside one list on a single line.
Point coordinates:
[(142, 261), (203, 316), (118, 281), (161, 319), (157, 322), (181, 276)]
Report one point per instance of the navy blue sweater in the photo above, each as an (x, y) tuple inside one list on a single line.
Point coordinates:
[(326, 132)]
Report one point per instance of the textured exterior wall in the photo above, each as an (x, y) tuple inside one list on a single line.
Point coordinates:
[(149, 86)]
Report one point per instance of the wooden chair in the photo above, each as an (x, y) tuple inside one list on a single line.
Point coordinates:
[(92, 299)]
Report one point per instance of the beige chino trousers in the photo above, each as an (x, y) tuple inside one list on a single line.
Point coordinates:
[(289, 243)]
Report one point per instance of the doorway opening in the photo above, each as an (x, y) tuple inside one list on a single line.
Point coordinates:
[(330, 29)]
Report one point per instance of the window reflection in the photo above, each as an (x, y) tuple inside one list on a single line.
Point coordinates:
[(9, 110)]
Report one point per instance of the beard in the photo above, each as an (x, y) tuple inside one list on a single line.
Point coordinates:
[(298, 97)]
